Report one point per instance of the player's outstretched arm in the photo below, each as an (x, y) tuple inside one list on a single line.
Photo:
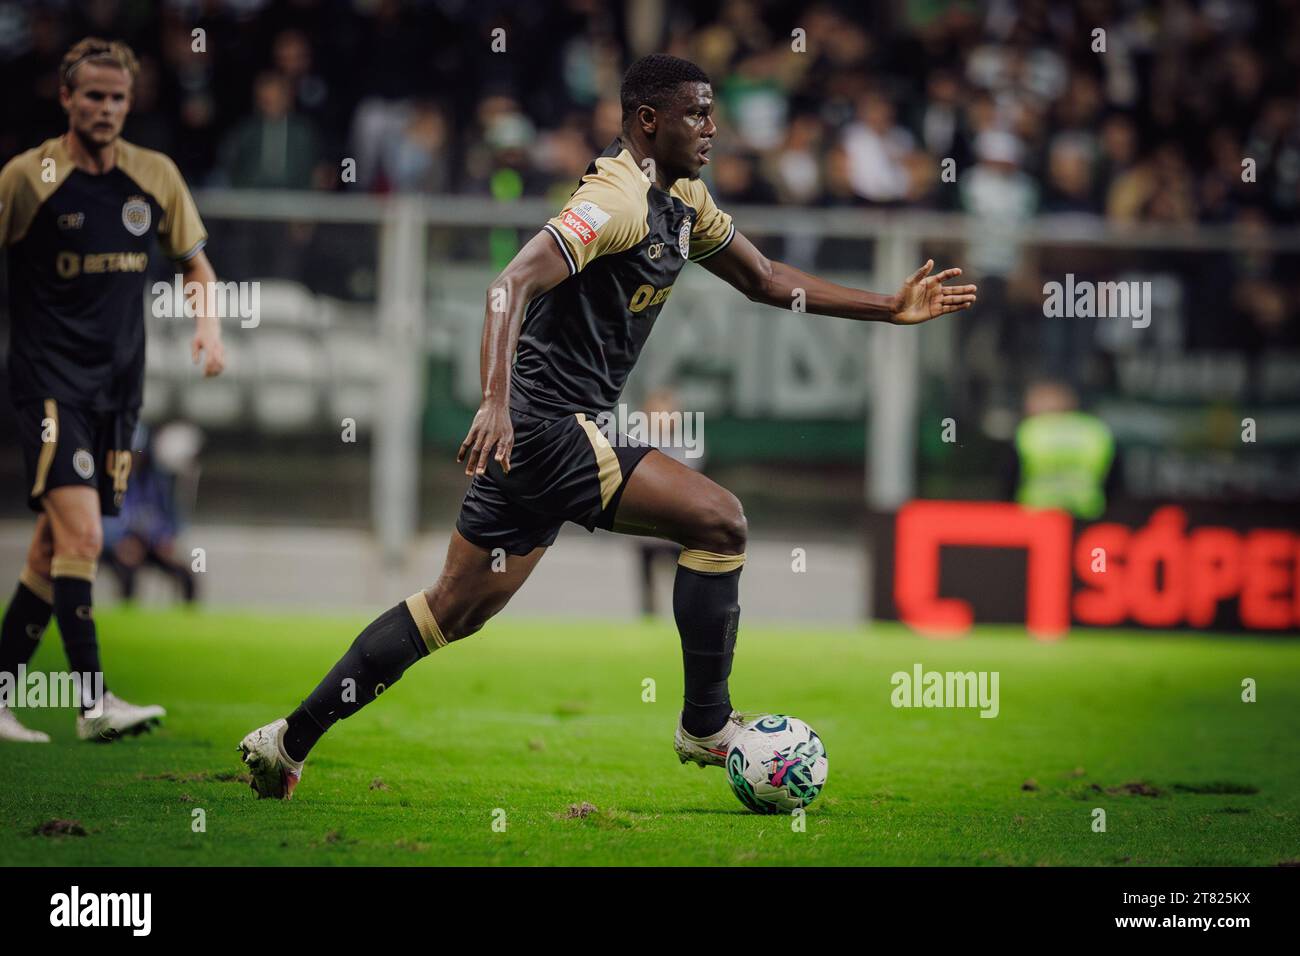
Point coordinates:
[(921, 298), (207, 328), (538, 267)]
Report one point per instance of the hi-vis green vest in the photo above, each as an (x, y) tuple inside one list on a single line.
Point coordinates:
[(1064, 460)]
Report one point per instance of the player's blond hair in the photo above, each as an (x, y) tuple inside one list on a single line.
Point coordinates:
[(94, 50)]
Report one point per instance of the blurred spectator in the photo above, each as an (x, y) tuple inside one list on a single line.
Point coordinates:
[(736, 180), (292, 58), (796, 169), (1156, 189), (416, 158), (146, 125), (275, 148), (1273, 142), (1144, 133), (999, 195), (1062, 457), (144, 533), (1119, 148), (1003, 198), (877, 151), (1070, 186)]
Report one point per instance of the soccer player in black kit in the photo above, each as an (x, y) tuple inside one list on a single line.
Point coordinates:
[(79, 216), (573, 310)]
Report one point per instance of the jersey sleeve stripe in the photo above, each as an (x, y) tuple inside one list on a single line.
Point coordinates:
[(198, 247), (564, 249), (731, 233)]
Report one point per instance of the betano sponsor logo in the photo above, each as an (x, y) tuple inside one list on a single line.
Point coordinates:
[(646, 296), (69, 265)]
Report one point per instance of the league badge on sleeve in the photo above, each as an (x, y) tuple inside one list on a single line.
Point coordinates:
[(584, 220), (684, 239)]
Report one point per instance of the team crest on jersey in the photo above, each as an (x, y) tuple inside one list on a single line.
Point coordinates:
[(83, 463), (684, 238), (136, 215)]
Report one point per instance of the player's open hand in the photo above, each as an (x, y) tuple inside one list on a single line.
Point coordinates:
[(490, 430), (924, 297), (208, 348)]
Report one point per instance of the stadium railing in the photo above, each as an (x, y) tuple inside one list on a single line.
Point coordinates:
[(330, 345)]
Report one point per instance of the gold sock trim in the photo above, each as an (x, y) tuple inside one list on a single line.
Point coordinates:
[(42, 587), (83, 568), (429, 629), (706, 562)]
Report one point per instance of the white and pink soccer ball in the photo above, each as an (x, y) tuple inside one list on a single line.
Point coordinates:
[(776, 764)]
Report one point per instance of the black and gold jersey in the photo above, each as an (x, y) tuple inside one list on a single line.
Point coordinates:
[(79, 247), (625, 240)]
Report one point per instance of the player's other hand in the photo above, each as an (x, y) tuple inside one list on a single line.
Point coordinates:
[(207, 347), (491, 430), (924, 296)]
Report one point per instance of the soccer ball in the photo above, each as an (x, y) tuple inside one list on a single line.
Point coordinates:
[(776, 764)]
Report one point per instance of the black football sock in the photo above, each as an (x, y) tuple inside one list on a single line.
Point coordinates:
[(74, 610), (705, 605), (376, 660), (26, 618)]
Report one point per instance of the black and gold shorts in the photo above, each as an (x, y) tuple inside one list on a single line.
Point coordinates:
[(561, 469), (63, 445)]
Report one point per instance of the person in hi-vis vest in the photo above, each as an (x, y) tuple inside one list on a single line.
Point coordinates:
[(1064, 458)]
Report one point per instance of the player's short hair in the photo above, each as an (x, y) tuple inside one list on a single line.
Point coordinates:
[(104, 52), (652, 81)]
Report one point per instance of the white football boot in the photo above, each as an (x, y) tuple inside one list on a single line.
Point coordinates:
[(710, 751), (274, 773), (118, 717), (11, 729)]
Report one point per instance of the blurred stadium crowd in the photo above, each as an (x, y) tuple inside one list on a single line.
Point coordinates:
[(1153, 129)]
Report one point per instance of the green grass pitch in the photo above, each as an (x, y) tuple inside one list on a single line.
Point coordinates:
[(531, 718)]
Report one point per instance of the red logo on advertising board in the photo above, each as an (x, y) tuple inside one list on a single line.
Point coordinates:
[(1159, 575), (1163, 575), (924, 526)]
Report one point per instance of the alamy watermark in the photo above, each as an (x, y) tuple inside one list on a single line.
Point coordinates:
[(221, 300), (133, 911), (923, 688), (661, 429), (1085, 299), (25, 688)]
